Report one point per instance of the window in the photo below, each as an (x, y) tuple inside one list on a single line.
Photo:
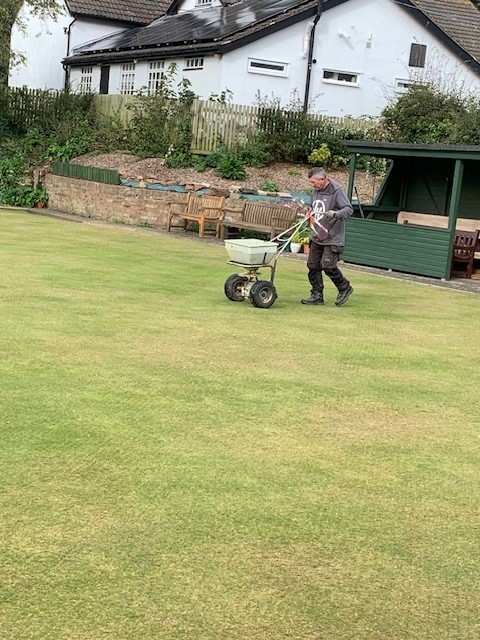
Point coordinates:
[(402, 86), (203, 3), (127, 79), (418, 54), (193, 63), (86, 75), (267, 67), (155, 74), (340, 77)]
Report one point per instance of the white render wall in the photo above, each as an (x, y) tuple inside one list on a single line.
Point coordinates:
[(45, 46), (204, 82), (370, 38), (375, 43)]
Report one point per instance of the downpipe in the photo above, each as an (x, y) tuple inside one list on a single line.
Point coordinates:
[(311, 41)]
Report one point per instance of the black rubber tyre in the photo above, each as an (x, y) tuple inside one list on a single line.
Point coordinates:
[(233, 287), (263, 294)]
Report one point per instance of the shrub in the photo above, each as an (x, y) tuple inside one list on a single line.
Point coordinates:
[(226, 164), (321, 156), (213, 159), (199, 163), (429, 115), (231, 168), (256, 153), (11, 169), (370, 164), (162, 122), (23, 196), (178, 159), (269, 186)]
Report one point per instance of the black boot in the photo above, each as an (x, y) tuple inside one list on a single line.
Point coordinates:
[(343, 296), (315, 298)]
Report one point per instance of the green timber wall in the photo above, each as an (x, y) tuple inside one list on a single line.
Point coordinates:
[(82, 172), (399, 247)]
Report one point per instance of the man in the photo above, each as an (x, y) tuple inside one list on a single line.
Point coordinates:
[(330, 209)]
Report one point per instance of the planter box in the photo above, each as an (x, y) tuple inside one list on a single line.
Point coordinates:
[(250, 251)]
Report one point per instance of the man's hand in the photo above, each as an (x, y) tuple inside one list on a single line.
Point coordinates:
[(329, 214)]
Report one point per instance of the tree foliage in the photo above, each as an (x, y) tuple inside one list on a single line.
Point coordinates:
[(9, 15), (428, 115)]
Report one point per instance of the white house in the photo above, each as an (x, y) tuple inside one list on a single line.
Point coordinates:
[(45, 42), (339, 57)]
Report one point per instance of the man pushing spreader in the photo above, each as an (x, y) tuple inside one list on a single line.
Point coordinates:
[(330, 208)]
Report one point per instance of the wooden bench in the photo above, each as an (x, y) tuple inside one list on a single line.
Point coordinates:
[(439, 222), (202, 209), (267, 217), (431, 220)]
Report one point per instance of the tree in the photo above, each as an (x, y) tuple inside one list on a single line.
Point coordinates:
[(9, 15)]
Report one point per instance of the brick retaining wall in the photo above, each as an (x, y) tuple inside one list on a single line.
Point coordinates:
[(110, 202)]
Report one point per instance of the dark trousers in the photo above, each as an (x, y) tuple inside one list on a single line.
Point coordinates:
[(324, 259)]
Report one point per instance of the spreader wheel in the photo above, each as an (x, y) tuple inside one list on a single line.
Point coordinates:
[(234, 287), (263, 294)]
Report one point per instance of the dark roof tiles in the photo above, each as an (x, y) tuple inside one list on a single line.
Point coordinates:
[(458, 19), (139, 12)]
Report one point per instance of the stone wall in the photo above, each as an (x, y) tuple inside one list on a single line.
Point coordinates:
[(110, 202)]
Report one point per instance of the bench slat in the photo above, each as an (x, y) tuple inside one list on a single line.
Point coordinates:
[(266, 217), (431, 220)]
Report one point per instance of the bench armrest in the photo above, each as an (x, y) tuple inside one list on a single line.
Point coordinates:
[(181, 205), (218, 213)]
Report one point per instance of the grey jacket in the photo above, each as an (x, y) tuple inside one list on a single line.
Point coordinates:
[(330, 231)]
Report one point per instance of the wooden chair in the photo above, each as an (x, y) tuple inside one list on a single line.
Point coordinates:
[(201, 209), (464, 253)]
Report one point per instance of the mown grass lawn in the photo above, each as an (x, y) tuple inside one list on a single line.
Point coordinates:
[(175, 465)]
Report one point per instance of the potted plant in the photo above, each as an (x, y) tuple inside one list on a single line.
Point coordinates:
[(295, 243), (302, 239)]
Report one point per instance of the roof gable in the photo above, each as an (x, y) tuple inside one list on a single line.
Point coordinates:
[(457, 20)]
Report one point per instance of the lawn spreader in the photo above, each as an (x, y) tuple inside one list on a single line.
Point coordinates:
[(253, 255)]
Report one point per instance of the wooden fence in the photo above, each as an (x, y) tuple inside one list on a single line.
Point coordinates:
[(213, 123), (217, 123), (230, 125), (234, 125), (24, 107), (115, 106)]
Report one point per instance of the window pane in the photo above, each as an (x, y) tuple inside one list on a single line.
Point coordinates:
[(267, 67)]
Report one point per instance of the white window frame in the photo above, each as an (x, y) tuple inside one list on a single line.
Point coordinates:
[(86, 80), (267, 67), (402, 85), (339, 80), (127, 78), (156, 70), (193, 64)]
